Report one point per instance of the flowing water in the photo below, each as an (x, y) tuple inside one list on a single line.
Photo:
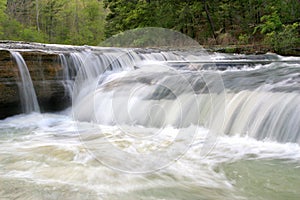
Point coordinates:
[(144, 128), (27, 93)]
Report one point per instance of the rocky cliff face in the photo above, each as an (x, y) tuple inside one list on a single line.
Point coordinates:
[(9, 95), (46, 73)]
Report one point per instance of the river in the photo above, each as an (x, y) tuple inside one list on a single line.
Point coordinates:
[(160, 126)]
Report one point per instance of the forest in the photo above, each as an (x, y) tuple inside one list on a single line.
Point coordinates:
[(271, 23)]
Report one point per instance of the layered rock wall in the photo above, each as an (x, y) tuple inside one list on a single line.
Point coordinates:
[(47, 77)]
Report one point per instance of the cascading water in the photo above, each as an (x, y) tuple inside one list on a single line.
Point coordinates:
[(27, 93), (264, 103), (132, 88)]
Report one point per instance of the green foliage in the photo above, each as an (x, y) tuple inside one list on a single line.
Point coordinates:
[(243, 38), (278, 36), (150, 38), (16, 31), (208, 21), (31, 34), (81, 23), (204, 20), (53, 21), (285, 39), (270, 23), (3, 16)]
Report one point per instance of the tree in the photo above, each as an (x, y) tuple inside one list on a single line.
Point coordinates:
[(3, 16), (90, 21), (53, 21)]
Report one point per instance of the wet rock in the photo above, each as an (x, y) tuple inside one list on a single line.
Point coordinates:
[(47, 76)]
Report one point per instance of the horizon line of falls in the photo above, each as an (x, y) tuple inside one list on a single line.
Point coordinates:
[(139, 88)]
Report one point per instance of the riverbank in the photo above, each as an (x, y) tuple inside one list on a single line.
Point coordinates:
[(251, 49)]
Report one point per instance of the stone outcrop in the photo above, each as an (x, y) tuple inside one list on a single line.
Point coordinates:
[(46, 73)]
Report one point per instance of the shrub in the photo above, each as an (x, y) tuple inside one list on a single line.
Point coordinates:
[(277, 36), (244, 39), (285, 39)]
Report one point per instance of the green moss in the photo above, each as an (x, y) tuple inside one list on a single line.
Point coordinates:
[(230, 50)]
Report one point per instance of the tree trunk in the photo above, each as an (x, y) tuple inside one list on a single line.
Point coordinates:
[(37, 15), (211, 23)]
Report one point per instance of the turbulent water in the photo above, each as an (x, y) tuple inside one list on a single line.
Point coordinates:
[(144, 128)]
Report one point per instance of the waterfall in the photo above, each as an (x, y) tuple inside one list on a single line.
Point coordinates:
[(142, 89), (169, 123), (27, 93), (91, 67), (264, 115)]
